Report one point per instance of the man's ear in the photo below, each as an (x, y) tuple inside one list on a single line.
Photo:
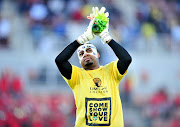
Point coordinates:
[(98, 55)]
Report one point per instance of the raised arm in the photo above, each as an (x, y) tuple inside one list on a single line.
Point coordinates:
[(62, 59), (123, 56)]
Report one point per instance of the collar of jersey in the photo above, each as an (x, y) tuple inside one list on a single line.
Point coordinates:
[(95, 69)]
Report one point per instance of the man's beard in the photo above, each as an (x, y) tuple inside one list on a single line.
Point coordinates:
[(89, 64)]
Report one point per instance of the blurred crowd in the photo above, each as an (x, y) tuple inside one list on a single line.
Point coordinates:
[(155, 26), (159, 109), (56, 16), (21, 109), (155, 23), (160, 19)]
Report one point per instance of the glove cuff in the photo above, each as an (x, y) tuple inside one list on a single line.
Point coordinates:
[(105, 37), (82, 39)]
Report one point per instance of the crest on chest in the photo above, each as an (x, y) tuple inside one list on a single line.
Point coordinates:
[(97, 82), (98, 87)]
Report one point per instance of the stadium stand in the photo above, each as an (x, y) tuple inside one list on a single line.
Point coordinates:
[(33, 32)]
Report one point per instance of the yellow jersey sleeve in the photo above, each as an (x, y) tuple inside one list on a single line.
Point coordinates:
[(74, 77), (115, 72)]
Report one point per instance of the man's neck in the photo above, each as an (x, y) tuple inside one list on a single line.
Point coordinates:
[(92, 67)]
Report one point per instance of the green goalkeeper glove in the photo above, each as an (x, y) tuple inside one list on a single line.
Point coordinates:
[(104, 30)]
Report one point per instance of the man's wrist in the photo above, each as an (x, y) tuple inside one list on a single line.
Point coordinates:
[(78, 42), (106, 38), (108, 41), (82, 39)]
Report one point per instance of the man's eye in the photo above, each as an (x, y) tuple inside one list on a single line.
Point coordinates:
[(80, 54), (89, 50)]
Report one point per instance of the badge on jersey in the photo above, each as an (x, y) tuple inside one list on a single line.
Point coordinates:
[(97, 82), (98, 88)]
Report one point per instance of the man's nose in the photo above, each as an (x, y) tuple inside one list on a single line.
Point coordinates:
[(86, 54)]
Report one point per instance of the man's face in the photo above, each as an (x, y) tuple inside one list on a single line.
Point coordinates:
[(87, 55)]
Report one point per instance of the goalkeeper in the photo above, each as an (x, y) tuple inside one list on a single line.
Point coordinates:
[(95, 87)]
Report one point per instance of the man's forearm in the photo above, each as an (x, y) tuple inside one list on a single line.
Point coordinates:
[(123, 56), (120, 52), (66, 54), (62, 59)]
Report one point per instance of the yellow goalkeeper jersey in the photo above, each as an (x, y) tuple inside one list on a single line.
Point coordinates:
[(97, 97)]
